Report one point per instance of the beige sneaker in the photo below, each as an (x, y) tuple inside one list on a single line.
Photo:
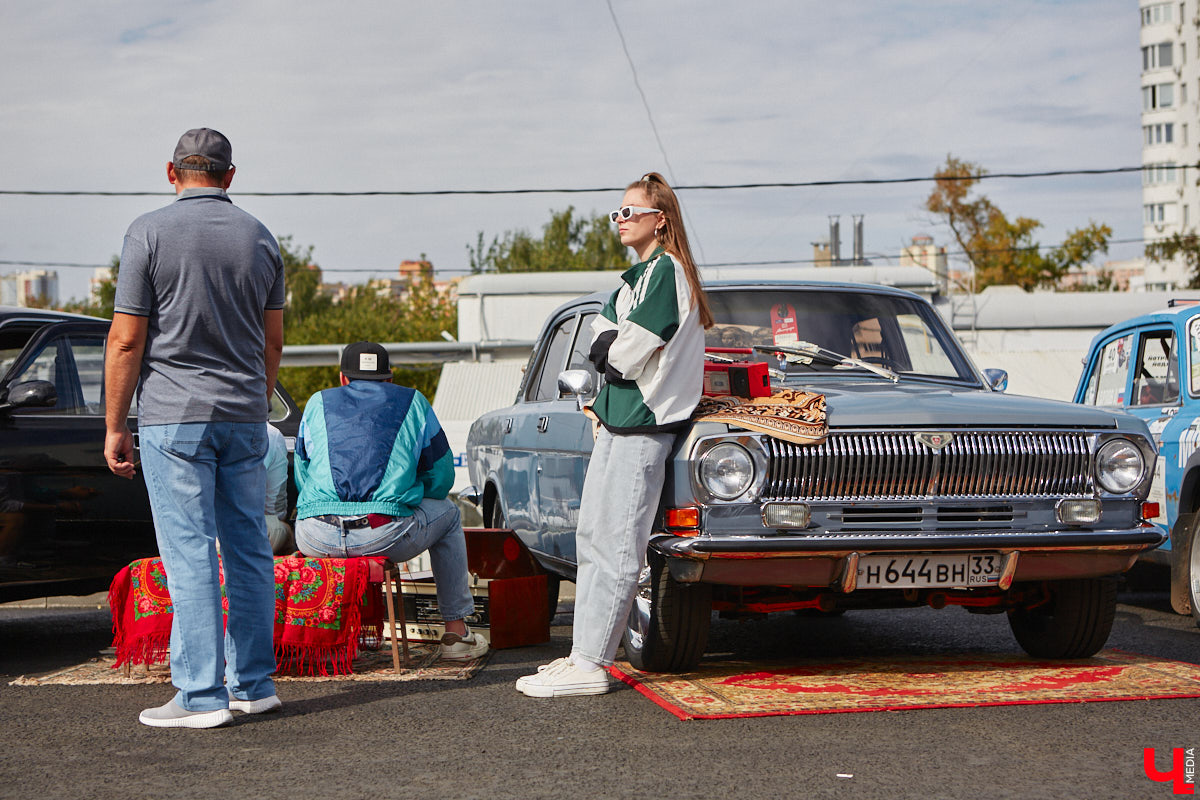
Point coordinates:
[(462, 648)]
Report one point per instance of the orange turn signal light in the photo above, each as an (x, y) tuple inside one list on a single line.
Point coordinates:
[(683, 518), (1150, 510)]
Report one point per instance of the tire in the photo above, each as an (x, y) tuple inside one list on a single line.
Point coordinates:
[(668, 624), (1193, 564), (1074, 622)]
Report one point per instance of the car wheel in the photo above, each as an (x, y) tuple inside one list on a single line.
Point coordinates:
[(1183, 564), (1193, 563), (668, 624), (1073, 622)]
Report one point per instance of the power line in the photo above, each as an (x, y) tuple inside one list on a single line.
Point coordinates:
[(766, 263), (610, 189)]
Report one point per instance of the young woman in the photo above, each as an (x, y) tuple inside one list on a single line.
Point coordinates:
[(649, 344)]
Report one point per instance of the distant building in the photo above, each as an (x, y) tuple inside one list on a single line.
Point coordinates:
[(99, 276), (925, 254), (36, 287), (1170, 86)]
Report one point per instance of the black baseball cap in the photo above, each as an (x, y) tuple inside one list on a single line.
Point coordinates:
[(204, 142), (366, 361)]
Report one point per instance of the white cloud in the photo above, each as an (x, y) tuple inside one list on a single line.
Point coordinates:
[(375, 95)]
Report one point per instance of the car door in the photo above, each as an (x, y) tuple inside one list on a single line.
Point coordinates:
[(564, 448), (64, 516), (1138, 371)]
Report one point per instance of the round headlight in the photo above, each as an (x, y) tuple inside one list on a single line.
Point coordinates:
[(726, 471), (1119, 466)]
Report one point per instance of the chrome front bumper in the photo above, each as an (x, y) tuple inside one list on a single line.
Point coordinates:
[(831, 559)]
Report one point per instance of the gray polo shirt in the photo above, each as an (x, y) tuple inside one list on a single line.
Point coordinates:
[(202, 271)]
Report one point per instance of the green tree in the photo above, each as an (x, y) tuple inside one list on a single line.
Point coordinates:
[(1185, 246), (100, 302), (567, 243), (1003, 251), (366, 312)]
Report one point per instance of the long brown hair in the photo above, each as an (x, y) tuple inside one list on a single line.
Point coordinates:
[(673, 237)]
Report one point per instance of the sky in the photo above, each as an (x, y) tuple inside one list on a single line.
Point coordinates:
[(469, 95)]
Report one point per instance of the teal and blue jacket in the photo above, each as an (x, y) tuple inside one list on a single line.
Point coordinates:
[(388, 452)]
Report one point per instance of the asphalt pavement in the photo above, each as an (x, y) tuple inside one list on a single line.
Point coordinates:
[(482, 739)]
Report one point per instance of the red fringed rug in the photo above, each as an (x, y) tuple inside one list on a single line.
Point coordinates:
[(724, 690), (324, 608)]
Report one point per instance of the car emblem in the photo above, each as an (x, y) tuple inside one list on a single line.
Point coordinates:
[(934, 441)]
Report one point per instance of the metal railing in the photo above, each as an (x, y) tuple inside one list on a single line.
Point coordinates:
[(320, 355)]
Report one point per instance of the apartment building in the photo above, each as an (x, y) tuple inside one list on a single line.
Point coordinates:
[(1170, 43)]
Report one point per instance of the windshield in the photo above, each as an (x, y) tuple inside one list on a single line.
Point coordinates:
[(903, 335)]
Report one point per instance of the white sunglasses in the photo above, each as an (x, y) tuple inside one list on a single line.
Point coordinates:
[(625, 212)]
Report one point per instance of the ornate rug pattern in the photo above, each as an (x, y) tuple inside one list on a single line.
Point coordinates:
[(730, 689), (369, 665)]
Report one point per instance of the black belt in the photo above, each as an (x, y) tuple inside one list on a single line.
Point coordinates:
[(348, 523)]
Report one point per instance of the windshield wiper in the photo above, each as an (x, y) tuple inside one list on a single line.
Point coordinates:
[(805, 352)]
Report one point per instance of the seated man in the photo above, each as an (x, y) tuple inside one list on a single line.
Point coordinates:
[(373, 469)]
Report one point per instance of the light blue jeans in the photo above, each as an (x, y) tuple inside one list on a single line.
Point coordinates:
[(206, 482), (616, 512), (435, 525)]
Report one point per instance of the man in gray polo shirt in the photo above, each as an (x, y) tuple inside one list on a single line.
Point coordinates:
[(199, 321)]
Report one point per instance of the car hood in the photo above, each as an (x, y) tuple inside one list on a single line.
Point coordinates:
[(884, 405)]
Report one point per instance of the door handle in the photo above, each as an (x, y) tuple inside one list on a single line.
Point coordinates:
[(508, 425), (543, 424)]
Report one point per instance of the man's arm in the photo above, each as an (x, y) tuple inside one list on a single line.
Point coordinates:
[(122, 367), (273, 324)]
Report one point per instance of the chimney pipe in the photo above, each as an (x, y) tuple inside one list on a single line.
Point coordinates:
[(858, 240), (835, 242)]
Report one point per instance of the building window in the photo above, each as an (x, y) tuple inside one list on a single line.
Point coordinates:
[(1159, 174), (1156, 56), (1159, 95), (1159, 133), (1183, 135), (1156, 14), (1158, 213), (1182, 93)]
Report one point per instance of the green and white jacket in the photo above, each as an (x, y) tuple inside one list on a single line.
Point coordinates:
[(649, 344)]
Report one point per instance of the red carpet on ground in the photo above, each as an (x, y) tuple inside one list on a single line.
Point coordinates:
[(730, 689)]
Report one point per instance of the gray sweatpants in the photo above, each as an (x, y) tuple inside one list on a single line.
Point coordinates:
[(620, 497)]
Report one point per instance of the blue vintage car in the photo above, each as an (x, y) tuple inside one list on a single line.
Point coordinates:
[(1136, 366), (929, 486)]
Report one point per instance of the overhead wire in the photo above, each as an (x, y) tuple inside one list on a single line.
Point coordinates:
[(598, 189)]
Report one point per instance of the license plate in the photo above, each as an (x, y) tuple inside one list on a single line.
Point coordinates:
[(916, 571)]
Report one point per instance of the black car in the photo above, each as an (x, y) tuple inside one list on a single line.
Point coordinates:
[(67, 524)]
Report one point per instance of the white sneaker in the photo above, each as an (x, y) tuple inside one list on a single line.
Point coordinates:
[(173, 715), (521, 680), (563, 678), (260, 706), (462, 648)]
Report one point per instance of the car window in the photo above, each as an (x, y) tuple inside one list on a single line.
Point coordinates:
[(1156, 381), (583, 345), (74, 363), (1110, 372), (902, 333), (544, 385), (13, 339), (1194, 355)]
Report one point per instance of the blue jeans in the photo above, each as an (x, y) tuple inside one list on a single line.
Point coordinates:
[(616, 512), (206, 482), (435, 525)]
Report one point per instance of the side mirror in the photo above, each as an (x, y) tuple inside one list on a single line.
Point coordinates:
[(30, 394), (577, 382), (997, 379)]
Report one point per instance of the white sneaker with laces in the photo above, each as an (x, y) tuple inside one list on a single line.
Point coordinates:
[(563, 678), (462, 648), (521, 680)]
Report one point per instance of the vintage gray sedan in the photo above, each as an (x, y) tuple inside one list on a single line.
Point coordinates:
[(929, 487)]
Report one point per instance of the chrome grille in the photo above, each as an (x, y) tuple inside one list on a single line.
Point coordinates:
[(895, 466)]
